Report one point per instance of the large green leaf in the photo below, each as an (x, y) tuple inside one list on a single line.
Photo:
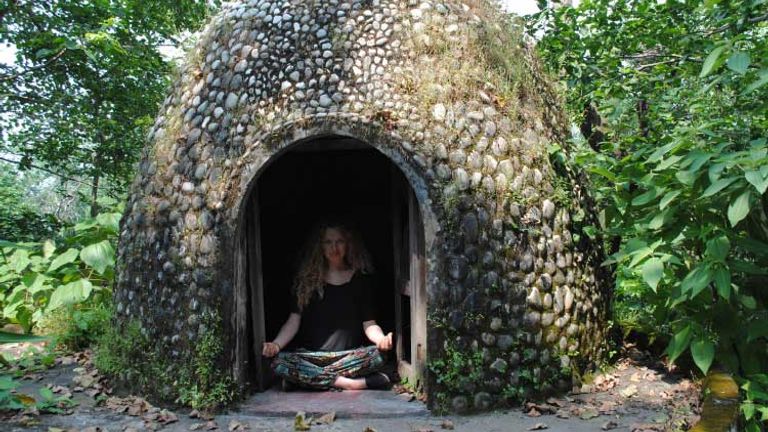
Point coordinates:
[(668, 198), (717, 186), (99, 256), (6, 337), (712, 60), (652, 272), (679, 343), (739, 62), (739, 208), (718, 248), (723, 282), (71, 293), (646, 197), (703, 353), (756, 179), (7, 382), (762, 80), (695, 282), (67, 257), (110, 221), (19, 260)]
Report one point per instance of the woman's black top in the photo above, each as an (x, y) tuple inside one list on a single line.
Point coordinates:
[(335, 321)]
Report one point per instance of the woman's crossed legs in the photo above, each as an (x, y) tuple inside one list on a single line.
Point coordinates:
[(323, 370)]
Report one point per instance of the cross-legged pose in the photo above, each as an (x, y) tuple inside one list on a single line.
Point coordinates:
[(332, 310)]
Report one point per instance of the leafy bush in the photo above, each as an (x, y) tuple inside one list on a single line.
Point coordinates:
[(672, 102), (79, 326), (142, 364), (18, 220), (38, 278)]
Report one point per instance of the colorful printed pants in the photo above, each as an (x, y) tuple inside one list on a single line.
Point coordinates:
[(319, 369)]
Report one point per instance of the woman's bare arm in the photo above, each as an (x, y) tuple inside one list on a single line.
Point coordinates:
[(284, 336), (376, 335)]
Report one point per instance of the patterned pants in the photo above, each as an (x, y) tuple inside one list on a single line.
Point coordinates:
[(319, 369)]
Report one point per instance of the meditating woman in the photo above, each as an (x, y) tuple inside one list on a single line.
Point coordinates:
[(333, 308)]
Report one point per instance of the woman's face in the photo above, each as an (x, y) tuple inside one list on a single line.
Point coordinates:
[(334, 246)]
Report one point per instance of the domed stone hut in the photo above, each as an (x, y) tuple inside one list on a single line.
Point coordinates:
[(429, 125)]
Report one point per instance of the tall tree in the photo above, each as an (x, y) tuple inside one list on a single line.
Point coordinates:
[(87, 79)]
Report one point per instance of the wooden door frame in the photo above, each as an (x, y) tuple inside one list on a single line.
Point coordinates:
[(412, 285), (249, 365)]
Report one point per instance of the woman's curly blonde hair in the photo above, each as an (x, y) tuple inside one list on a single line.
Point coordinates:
[(311, 275)]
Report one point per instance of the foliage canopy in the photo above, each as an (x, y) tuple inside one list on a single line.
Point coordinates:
[(87, 80), (673, 103)]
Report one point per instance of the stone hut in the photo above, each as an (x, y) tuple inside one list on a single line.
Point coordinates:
[(431, 126)]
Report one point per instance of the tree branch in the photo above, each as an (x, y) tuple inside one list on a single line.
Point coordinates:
[(753, 20), (4, 11), (61, 176), (26, 71)]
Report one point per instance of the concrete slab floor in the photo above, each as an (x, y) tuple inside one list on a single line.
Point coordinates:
[(346, 404)]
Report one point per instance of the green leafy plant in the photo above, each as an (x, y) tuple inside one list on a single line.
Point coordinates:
[(10, 400), (672, 104), (38, 278), (142, 364), (755, 406)]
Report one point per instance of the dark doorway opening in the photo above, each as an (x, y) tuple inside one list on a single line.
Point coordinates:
[(345, 180), (351, 184)]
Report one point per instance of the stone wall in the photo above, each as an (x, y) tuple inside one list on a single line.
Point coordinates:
[(447, 90)]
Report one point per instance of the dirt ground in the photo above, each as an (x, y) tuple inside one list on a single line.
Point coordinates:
[(636, 394)]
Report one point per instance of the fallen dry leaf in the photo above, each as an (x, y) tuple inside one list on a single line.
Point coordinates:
[(326, 418), (605, 382), (533, 412), (167, 417), (539, 426), (630, 391), (447, 424), (541, 408), (555, 402), (236, 426), (589, 413)]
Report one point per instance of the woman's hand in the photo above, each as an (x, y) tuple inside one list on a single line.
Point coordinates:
[(270, 349), (376, 335), (385, 343)]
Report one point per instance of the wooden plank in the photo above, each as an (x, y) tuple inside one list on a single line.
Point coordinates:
[(240, 315), (397, 230), (418, 290), (256, 285)]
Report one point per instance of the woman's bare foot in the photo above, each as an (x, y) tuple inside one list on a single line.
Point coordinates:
[(349, 383)]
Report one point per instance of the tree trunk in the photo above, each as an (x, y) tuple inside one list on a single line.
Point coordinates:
[(95, 195)]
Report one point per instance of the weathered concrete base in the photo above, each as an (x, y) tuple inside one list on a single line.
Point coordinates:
[(346, 404)]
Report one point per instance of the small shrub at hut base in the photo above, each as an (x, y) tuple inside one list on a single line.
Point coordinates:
[(142, 365), (77, 327)]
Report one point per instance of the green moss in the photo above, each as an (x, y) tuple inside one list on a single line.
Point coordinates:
[(454, 372), (143, 365)]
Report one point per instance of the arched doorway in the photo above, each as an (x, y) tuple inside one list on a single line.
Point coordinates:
[(344, 179)]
